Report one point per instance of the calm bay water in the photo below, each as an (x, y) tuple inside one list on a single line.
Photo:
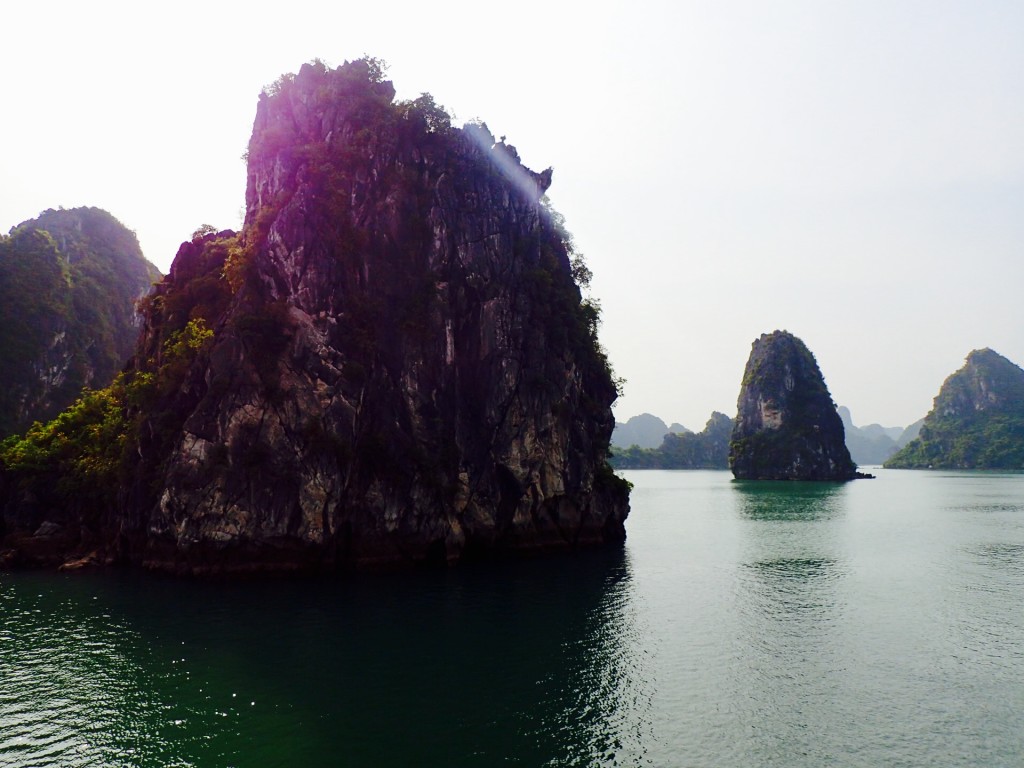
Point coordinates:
[(874, 623)]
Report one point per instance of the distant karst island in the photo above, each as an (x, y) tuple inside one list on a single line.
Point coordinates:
[(976, 422), (873, 444), (391, 363), (787, 426), (643, 431), (646, 442), (678, 448)]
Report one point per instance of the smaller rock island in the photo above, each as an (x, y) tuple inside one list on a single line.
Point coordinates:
[(787, 427)]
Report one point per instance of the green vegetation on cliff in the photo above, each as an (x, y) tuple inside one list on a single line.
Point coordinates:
[(688, 450), (976, 422), (69, 280), (70, 468), (75, 468)]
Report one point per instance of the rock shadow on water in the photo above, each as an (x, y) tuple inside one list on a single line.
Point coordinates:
[(768, 500)]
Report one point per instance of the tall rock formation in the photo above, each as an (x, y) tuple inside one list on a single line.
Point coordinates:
[(976, 422), (392, 362), (69, 280), (787, 427)]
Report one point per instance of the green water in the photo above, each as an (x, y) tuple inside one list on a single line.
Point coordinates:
[(874, 623)]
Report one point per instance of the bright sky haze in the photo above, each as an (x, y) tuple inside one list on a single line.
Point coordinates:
[(852, 172)]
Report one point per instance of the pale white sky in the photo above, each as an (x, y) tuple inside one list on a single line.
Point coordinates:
[(850, 171)]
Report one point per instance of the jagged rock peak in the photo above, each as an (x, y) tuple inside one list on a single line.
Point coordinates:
[(787, 427), (403, 369), (987, 381)]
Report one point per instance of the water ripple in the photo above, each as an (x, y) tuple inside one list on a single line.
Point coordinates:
[(71, 697)]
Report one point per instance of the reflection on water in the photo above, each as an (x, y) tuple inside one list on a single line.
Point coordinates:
[(523, 664), (791, 539), (791, 607), (764, 500)]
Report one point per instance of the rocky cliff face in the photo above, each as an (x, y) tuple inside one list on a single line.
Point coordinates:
[(69, 280), (976, 422), (787, 427), (392, 362)]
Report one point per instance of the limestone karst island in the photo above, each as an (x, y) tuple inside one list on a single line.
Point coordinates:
[(787, 427), (390, 363)]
